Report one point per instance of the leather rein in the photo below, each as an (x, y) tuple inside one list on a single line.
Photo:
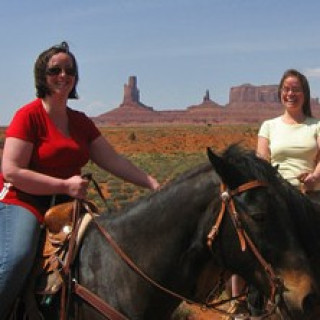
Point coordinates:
[(227, 203)]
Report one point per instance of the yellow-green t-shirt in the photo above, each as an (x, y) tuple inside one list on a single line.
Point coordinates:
[(293, 147)]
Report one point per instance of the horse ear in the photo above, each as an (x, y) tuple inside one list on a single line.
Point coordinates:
[(217, 163), (214, 158), (226, 171)]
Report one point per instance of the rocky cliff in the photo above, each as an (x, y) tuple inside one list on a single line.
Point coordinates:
[(247, 104)]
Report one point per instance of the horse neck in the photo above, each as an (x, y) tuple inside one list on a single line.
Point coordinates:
[(177, 208), (161, 228)]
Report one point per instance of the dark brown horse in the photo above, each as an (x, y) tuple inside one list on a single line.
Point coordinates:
[(165, 235)]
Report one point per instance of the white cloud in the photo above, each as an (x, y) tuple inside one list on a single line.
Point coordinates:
[(313, 72), (91, 107)]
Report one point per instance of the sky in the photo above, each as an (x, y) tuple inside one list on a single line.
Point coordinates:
[(177, 49)]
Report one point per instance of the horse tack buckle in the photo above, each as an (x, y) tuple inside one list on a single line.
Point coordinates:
[(225, 196)]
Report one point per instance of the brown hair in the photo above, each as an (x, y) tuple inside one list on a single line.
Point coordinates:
[(306, 108), (40, 68)]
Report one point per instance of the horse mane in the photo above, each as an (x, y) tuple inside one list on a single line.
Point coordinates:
[(300, 206), (249, 165), (191, 173), (153, 198)]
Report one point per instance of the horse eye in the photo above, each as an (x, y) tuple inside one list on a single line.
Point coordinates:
[(257, 216)]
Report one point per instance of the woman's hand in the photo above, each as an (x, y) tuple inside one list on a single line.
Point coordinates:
[(309, 180), (154, 184), (77, 187)]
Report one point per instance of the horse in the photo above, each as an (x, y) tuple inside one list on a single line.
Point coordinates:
[(165, 234)]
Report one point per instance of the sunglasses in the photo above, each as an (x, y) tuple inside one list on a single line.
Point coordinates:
[(55, 71)]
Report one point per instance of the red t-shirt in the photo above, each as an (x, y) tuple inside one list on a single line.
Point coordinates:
[(53, 153)]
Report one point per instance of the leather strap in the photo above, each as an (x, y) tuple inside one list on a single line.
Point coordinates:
[(96, 302)]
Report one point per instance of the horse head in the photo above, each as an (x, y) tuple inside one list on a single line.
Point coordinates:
[(266, 249)]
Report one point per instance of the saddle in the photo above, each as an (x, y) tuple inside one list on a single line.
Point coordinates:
[(60, 221)]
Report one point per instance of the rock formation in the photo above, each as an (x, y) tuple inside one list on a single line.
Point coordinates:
[(131, 95), (131, 92), (131, 110), (247, 104), (206, 97), (250, 93)]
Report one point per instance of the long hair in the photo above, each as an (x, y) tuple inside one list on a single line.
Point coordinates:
[(40, 68)]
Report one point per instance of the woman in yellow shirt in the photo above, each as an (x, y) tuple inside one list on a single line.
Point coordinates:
[(292, 140)]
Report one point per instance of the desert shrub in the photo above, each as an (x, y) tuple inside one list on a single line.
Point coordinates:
[(132, 137)]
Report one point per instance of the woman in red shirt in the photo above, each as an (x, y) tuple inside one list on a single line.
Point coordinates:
[(47, 144)]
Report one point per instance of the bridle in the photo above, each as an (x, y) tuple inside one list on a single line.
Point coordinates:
[(276, 284)]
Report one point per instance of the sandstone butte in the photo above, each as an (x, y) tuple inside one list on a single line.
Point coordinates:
[(248, 104)]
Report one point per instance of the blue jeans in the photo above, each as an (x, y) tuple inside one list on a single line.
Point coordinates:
[(19, 237)]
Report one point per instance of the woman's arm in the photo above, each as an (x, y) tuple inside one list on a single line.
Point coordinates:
[(105, 156), (263, 149), (312, 178), (15, 169)]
